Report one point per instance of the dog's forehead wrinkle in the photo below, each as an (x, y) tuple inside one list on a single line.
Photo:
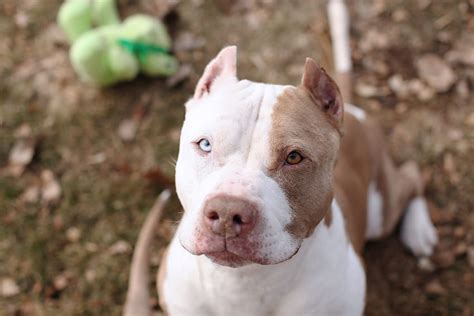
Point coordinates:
[(259, 144)]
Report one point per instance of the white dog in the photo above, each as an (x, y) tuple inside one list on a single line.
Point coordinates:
[(281, 187)]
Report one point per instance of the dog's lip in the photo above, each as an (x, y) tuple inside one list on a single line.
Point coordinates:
[(222, 257), (231, 259), (215, 255), (226, 257)]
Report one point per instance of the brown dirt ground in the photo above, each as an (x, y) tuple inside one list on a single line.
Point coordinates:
[(64, 256)]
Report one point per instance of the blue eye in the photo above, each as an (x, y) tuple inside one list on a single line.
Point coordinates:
[(205, 145)]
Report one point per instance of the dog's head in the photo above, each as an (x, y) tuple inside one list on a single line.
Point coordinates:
[(255, 166)]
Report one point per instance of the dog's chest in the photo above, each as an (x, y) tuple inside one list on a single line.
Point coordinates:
[(325, 277)]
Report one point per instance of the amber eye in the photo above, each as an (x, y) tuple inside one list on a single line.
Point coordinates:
[(294, 158)]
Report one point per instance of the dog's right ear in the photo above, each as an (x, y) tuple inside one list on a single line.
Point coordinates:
[(223, 65)]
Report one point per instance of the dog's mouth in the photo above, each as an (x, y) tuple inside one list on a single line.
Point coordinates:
[(236, 256), (228, 259)]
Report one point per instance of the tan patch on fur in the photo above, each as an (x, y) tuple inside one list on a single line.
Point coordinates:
[(352, 176), (300, 124), (161, 279), (363, 159), (309, 119)]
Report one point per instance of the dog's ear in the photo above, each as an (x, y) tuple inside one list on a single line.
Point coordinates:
[(223, 65), (323, 89)]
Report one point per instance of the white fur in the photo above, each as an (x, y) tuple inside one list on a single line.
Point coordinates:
[(236, 118), (374, 213), (339, 26), (417, 232), (356, 111), (325, 277)]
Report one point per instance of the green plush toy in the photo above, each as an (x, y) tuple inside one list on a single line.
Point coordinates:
[(79, 16), (118, 52)]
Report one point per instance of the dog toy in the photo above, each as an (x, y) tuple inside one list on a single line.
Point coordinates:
[(114, 51), (110, 54), (79, 16)]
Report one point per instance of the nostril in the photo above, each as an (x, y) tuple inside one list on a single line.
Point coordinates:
[(237, 219), (213, 216)]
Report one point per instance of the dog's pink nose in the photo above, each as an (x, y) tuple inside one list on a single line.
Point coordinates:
[(229, 216)]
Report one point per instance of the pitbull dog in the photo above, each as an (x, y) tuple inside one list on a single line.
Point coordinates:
[(281, 187)]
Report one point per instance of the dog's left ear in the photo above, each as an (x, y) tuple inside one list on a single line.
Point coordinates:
[(323, 89), (223, 65)]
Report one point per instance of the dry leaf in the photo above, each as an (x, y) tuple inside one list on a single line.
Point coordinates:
[(460, 249), (90, 275), (400, 15), (425, 264), (444, 259), (470, 119), (463, 53), (8, 287), (420, 90), (21, 155), (459, 232), (435, 72), (398, 86), (58, 222), (31, 194), (374, 39), (50, 189), (462, 89), (435, 288), (366, 90), (423, 4), (61, 281), (120, 247), (376, 65), (127, 130), (22, 20), (449, 165), (24, 131), (97, 158), (91, 247), (73, 234)]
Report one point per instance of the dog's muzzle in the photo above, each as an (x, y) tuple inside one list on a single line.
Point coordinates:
[(227, 234)]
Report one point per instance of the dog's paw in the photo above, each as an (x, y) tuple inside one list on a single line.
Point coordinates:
[(418, 232)]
